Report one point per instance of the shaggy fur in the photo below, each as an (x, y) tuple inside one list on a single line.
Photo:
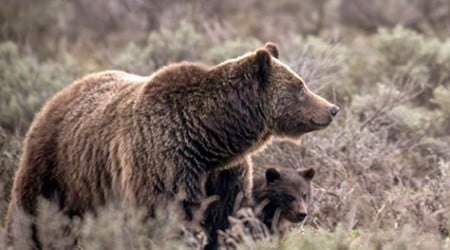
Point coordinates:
[(232, 188), (284, 196), (114, 135)]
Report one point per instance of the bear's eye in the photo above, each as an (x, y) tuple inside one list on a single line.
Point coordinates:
[(305, 196), (296, 88), (290, 198)]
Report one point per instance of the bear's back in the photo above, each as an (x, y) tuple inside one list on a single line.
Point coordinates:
[(90, 95), (99, 87)]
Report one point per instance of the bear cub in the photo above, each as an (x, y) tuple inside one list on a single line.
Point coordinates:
[(282, 197)]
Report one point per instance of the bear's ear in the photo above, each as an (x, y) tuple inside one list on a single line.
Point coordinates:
[(273, 49), (272, 174), (307, 173), (263, 61)]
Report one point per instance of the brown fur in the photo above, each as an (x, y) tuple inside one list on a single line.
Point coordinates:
[(232, 188), (283, 197), (116, 135)]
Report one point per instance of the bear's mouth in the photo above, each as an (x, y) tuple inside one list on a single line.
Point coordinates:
[(320, 124), (294, 218)]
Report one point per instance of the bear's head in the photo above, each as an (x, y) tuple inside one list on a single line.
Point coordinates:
[(287, 190), (290, 107)]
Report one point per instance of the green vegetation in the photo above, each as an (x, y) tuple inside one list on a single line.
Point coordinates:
[(383, 166)]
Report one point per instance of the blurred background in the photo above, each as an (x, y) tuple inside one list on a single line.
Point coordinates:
[(383, 166)]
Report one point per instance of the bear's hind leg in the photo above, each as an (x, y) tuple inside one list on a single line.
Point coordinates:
[(31, 182)]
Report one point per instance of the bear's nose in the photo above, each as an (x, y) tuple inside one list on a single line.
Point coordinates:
[(334, 110), (301, 215)]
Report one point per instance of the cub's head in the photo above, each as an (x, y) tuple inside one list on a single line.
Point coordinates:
[(291, 108), (287, 190)]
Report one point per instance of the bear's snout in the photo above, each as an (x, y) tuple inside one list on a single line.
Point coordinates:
[(334, 110), (301, 216), (296, 217)]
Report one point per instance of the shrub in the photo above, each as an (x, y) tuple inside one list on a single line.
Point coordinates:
[(161, 48), (441, 97), (10, 150), (231, 49), (416, 119), (32, 24), (124, 227), (427, 16), (26, 83), (322, 65), (406, 54), (402, 68)]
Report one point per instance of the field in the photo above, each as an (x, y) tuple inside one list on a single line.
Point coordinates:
[(383, 166)]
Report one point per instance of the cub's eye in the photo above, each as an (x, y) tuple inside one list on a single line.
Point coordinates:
[(290, 198), (305, 196)]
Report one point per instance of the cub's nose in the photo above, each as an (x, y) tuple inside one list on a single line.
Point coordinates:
[(301, 215), (334, 110)]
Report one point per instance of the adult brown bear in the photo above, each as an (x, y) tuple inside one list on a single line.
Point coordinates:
[(116, 135)]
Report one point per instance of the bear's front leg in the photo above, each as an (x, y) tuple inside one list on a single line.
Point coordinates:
[(228, 184), (193, 195)]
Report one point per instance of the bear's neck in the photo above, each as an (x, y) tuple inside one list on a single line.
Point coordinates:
[(218, 112), (233, 123)]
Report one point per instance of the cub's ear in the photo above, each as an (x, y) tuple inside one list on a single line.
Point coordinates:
[(272, 174), (273, 49), (307, 173)]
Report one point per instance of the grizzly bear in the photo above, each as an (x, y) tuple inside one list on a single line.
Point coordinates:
[(115, 135), (282, 197)]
